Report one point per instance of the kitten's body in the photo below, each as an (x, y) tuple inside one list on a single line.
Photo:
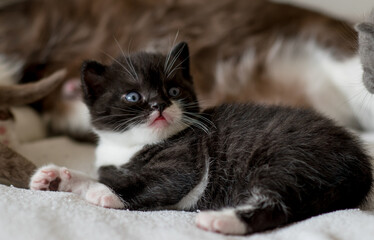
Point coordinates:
[(266, 166), (278, 152)]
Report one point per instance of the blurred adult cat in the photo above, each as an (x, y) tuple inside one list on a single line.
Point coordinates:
[(242, 50)]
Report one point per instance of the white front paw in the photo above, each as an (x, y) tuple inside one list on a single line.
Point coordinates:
[(225, 222), (51, 178), (100, 195)]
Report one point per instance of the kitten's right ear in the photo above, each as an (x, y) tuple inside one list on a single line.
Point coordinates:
[(365, 27), (93, 80), (181, 56)]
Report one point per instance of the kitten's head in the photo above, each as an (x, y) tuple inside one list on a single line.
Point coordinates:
[(144, 94)]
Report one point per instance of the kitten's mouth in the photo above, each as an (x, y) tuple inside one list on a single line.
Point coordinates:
[(160, 120)]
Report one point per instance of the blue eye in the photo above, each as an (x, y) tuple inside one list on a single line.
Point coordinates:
[(174, 91), (132, 97)]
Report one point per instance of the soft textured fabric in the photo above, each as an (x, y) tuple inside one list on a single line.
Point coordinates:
[(54, 215), (26, 214)]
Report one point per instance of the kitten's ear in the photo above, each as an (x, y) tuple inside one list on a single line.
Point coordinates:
[(93, 80), (182, 56), (366, 28), (366, 52)]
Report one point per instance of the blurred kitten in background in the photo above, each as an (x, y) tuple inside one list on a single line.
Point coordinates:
[(366, 50), (18, 123)]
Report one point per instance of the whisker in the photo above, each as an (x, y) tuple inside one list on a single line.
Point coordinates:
[(190, 104), (174, 59), (130, 61), (126, 110), (183, 124), (175, 69), (198, 103), (196, 123), (134, 75), (169, 54), (128, 72), (195, 115), (111, 116), (132, 124), (204, 119), (125, 122)]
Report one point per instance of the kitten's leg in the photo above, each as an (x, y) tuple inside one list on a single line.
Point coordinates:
[(259, 214), (54, 178)]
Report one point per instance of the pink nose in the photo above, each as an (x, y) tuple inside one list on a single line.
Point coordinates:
[(158, 106)]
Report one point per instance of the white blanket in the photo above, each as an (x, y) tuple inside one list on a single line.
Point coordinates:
[(38, 215)]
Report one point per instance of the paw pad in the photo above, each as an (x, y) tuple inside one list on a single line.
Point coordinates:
[(49, 178)]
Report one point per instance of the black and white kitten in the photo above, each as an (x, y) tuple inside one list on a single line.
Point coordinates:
[(251, 167)]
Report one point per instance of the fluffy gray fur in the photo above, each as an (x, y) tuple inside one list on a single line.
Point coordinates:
[(366, 51)]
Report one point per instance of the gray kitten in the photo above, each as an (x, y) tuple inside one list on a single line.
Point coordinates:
[(366, 51)]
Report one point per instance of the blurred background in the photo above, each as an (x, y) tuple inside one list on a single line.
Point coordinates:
[(352, 10)]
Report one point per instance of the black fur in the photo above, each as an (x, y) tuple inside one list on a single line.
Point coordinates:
[(300, 163)]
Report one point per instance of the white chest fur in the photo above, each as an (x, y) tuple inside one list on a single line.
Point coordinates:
[(114, 154), (118, 148)]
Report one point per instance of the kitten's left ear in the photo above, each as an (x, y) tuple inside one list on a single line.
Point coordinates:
[(93, 81), (182, 56)]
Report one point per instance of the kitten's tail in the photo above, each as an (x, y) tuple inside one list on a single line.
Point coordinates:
[(27, 93)]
